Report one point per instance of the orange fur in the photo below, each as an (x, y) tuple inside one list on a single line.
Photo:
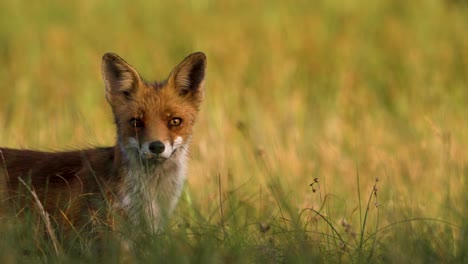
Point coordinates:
[(140, 178)]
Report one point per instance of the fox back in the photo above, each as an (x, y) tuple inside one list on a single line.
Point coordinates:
[(139, 179)]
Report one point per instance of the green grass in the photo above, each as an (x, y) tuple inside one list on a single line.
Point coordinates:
[(340, 91)]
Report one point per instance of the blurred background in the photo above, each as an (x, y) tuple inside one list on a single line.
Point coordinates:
[(335, 90)]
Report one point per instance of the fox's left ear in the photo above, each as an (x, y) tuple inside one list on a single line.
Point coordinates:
[(188, 78), (120, 78)]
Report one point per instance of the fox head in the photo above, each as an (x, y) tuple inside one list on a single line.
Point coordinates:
[(154, 120)]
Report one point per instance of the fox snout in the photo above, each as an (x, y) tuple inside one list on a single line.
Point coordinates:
[(160, 150), (154, 150), (156, 147)]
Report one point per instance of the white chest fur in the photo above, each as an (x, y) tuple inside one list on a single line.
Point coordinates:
[(150, 194)]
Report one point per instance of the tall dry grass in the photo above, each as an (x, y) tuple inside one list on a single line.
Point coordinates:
[(344, 92)]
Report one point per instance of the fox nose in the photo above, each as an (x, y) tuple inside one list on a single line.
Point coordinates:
[(157, 147)]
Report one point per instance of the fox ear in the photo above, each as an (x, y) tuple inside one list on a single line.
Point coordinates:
[(188, 78), (120, 78)]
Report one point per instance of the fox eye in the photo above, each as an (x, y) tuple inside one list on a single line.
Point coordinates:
[(135, 122), (175, 122)]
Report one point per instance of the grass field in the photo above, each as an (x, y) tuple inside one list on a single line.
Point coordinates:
[(332, 131)]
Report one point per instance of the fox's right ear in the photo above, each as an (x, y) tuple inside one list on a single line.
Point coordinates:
[(188, 78), (120, 78)]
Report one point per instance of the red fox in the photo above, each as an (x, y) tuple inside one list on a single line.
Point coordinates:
[(140, 178)]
